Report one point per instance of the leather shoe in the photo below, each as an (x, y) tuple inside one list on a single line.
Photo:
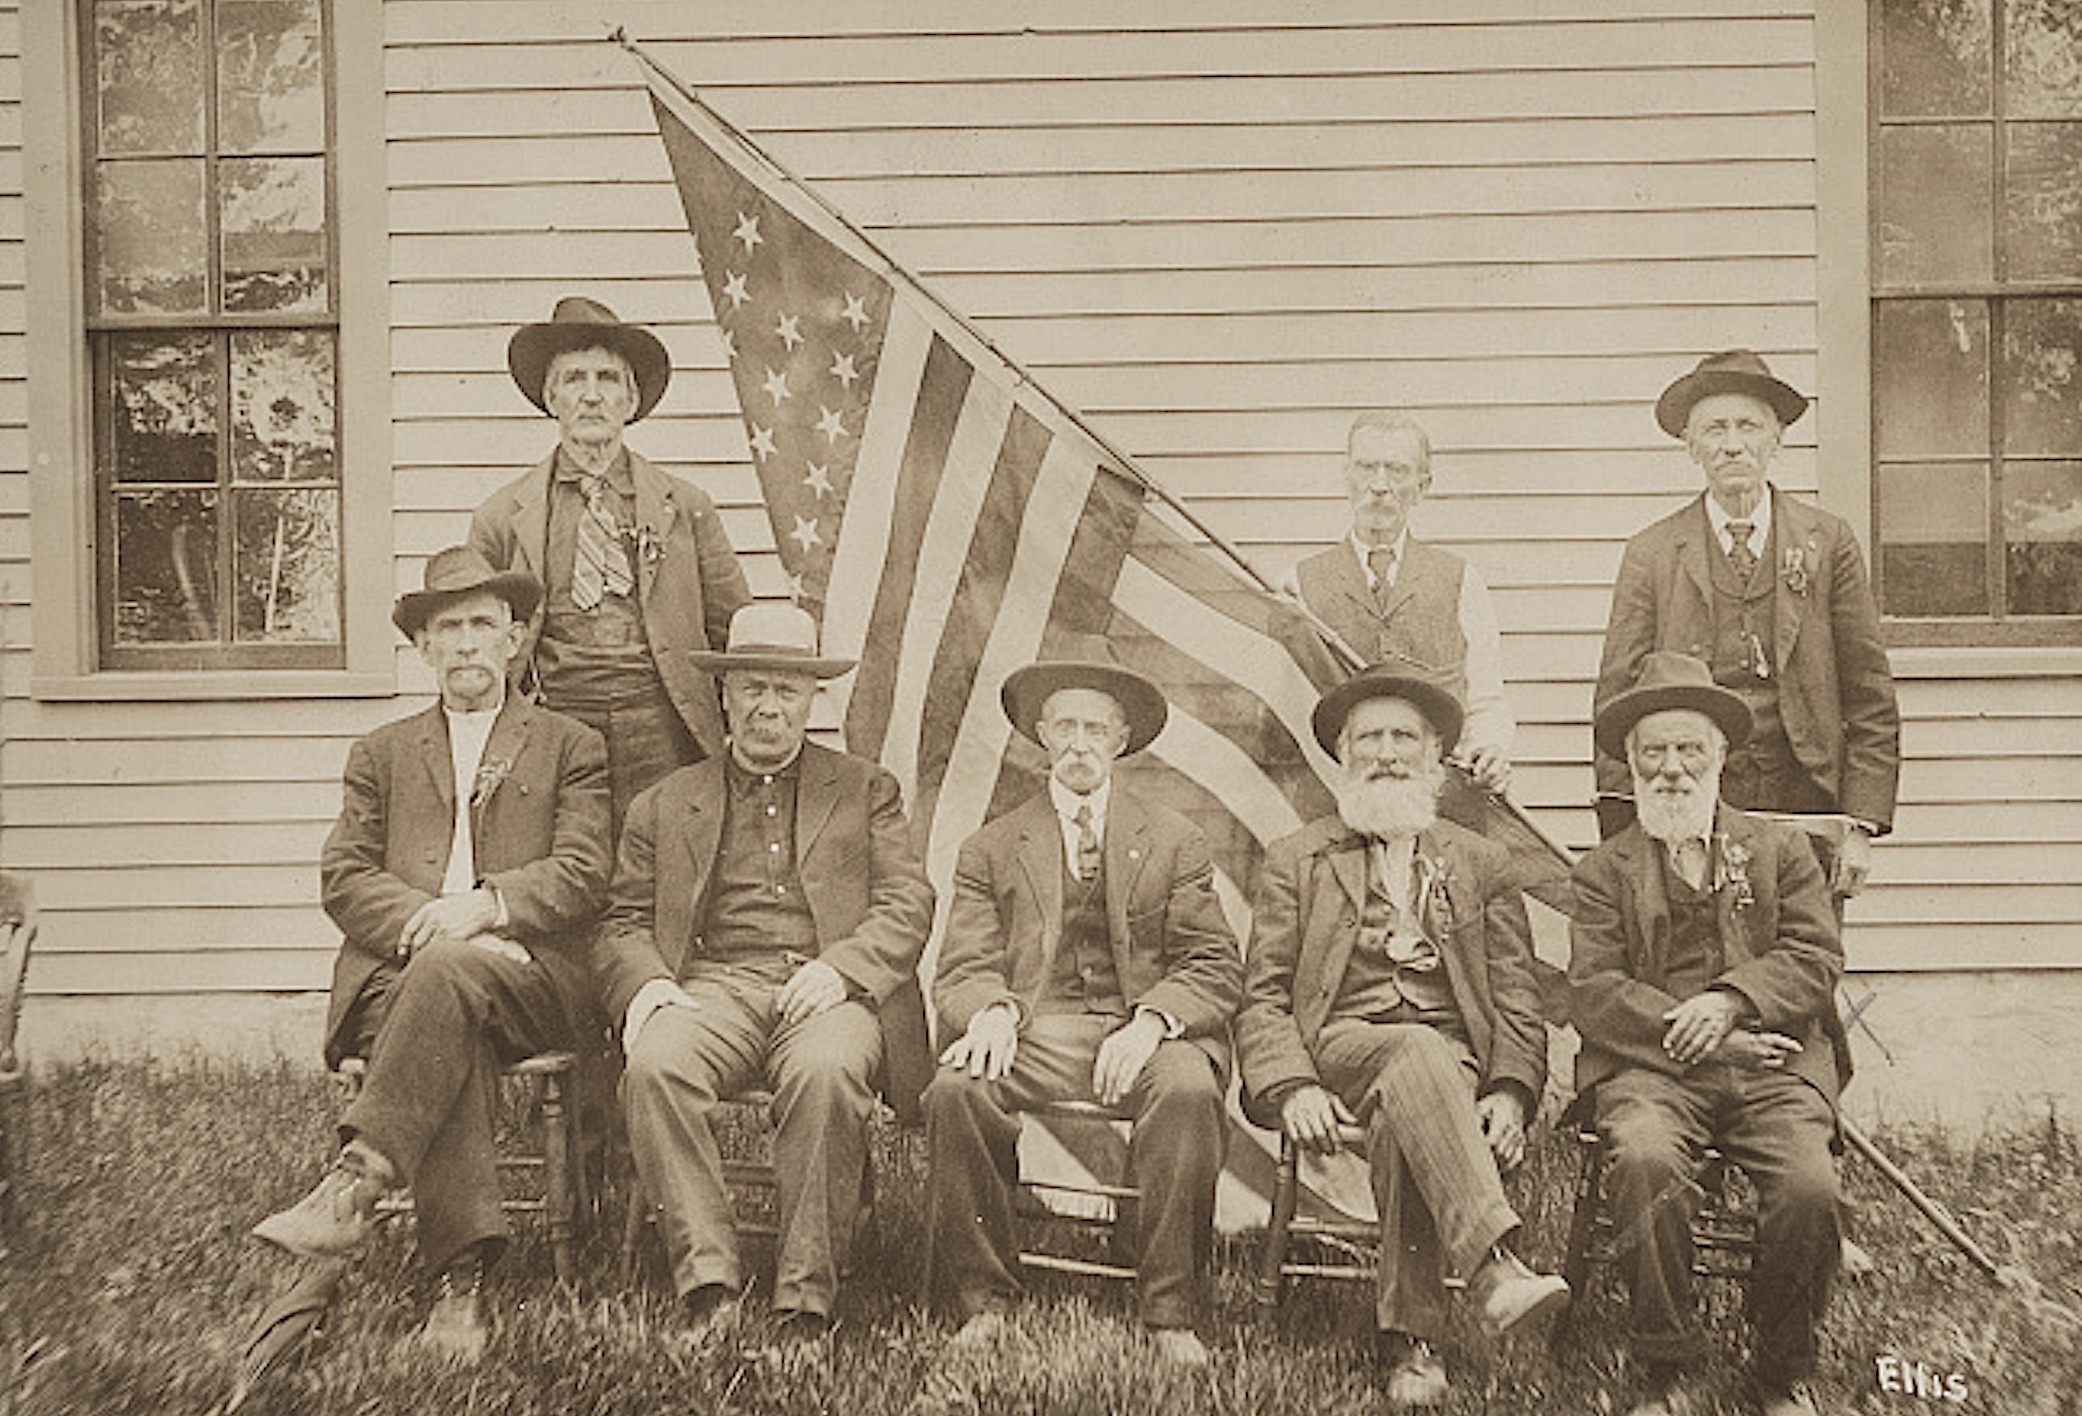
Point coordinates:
[(708, 1310), (1416, 1376), (1795, 1400), (981, 1332), (1181, 1347), (456, 1331), (1510, 1297), (334, 1221)]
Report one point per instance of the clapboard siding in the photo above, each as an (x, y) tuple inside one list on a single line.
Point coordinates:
[(1217, 229)]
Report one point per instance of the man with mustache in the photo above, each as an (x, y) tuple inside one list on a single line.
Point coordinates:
[(1393, 599), (1087, 959), (1772, 593), (1389, 984), (638, 575), (1704, 965)]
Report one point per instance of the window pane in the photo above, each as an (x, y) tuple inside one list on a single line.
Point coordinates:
[(163, 408), (1934, 188), (2042, 524), (287, 562), (148, 68), (2042, 376), (1933, 536), (2042, 201), (2043, 54), (1934, 57), (1930, 377), (274, 233), (166, 567), (149, 234), (270, 76), (282, 406)]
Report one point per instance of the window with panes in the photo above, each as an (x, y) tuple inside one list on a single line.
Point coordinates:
[(1977, 316), (212, 319)]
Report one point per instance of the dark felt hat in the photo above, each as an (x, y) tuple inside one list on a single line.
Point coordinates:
[(579, 323), (1142, 703), (1730, 371), (1669, 679), (771, 636), (460, 571), (1438, 703)]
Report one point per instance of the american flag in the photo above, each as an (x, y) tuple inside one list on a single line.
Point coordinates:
[(948, 521)]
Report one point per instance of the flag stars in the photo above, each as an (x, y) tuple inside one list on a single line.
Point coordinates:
[(789, 331), (762, 442), (855, 313), (819, 480), (805, 534), (748, 231), (830, 424), (736, 291), (776, 385), (842, 369)]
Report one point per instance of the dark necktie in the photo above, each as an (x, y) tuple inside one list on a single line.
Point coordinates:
[(1381, 561), (1740, 556), (1087, 842), (599, 566)]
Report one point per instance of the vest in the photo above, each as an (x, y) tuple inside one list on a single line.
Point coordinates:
[(1422, 617), (1696, 958), (1377, 988), (1745, 622), (1084, 979)]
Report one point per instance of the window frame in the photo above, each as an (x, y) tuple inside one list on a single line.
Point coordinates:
[(1847, 105), (64, 532)]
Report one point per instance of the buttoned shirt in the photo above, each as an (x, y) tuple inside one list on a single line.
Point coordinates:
[(756, 909), (468, 732)]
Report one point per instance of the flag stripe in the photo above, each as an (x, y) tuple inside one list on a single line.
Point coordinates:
[(940, 396)]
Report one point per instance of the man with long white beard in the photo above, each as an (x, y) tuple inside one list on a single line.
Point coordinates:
[(1704, 963), (1389, 984)]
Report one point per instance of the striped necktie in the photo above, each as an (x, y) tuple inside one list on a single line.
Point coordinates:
[(599, 566), (1381, 561), (1087, 842), (1740, 556)]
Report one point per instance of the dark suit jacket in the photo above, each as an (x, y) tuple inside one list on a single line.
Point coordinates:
[(1782, 949), (539, 827), (1305, 922), (689, 589), (866, 889), (1172, 947), (1835, 692)]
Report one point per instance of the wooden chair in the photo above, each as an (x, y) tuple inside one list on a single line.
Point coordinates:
[(561, 1195), (1724, 1226), (17, 936), (1341, 1249), (1093, 1207)]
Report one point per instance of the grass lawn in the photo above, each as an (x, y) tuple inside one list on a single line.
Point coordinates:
[(132, 1284)]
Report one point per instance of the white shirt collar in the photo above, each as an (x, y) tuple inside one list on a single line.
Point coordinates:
[(1759, 519), (1067, 802), (1362, 548), (1391, 860)]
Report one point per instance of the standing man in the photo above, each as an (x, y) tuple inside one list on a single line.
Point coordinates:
[(1397, 601), (638, 575), (468, 863), (767, 902), (1704, 963), (1772, 594), (1087, 959), (1390, 985)]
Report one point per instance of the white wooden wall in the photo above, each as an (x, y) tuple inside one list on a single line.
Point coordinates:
[(1218, 228)]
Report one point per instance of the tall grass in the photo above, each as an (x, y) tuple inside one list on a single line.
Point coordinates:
[(132, 1283)]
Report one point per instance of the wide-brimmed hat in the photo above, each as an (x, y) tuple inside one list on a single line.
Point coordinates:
[(460, 571), (1669, 679), (1439, 704), (769, 635), (1730, 371), (1026, 691), (579, 323)]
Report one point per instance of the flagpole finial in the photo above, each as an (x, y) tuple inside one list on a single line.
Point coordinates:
[(621, 36)]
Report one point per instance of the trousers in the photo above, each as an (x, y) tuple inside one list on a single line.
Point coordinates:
[(1175, 1151), (821, 1071), (438, 1032), (1435, 1182)]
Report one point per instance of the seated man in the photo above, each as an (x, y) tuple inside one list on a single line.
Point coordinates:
[(765, 902), (469, 860), (1389, 982), (1704, 965), (1087, 959)]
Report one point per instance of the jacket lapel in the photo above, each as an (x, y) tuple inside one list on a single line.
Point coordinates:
[(816, 798), (1791, 530), (1346, 860), (693, 813), (1041, 858), (531, 519), (654, 513), (1651, 902), (1731, 828), (1694, 542), (434, 756), (1125, 851), (502, 752)]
